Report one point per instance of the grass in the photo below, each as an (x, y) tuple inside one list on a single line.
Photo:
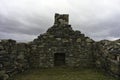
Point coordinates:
[(63, 74)]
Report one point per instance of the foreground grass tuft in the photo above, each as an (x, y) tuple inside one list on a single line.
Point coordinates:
[(63, 74)]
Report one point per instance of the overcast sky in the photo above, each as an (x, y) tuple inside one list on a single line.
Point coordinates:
[(24, 20)]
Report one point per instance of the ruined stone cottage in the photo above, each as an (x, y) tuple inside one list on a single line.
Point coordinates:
[(62, 46), (59, 46)]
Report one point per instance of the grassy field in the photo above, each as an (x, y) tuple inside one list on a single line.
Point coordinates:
[(63, 74)]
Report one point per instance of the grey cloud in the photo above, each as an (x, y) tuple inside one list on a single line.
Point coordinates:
[(34, 26), (109, 28), (23, 22)]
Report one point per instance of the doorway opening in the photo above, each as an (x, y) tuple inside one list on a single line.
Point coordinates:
[(59, 59)]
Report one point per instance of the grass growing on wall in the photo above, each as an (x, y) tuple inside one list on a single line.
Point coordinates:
[(63, 74)]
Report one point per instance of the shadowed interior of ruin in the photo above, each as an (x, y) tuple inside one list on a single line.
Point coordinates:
[(59, 59)]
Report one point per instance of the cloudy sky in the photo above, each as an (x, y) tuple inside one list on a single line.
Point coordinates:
[(24, 20)]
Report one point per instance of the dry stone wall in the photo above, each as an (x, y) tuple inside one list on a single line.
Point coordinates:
[(108, 56), (13, 58)]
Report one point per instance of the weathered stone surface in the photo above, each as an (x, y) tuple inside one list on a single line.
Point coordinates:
[(64, 39), (109, 56), (89, 40), (78, 40), (3, 75), (13, 58), (61, 19)]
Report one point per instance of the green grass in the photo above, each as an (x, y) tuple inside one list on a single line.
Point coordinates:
[(63, 74)]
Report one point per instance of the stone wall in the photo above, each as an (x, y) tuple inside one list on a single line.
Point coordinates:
[(61, 38), (13, 58), (107, 56)]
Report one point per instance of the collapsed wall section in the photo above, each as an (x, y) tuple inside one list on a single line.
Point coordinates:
[(108, 56)]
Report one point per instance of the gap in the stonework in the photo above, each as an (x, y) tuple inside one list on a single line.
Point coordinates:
[(59, 59)]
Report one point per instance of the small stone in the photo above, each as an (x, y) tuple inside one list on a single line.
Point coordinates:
[(58, 39), (51, 36), (89, 40), (65, 40), (78, 40)]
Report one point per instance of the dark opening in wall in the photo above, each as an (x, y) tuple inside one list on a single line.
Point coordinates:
[(59, 59)]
